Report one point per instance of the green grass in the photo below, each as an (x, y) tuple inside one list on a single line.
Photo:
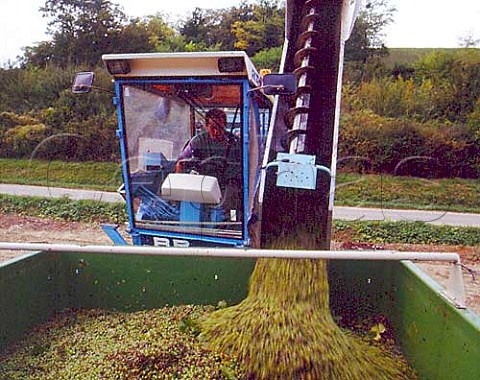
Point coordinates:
[(408, 56), (86, 175), (456, 195), (370, 232), (459, 195), (405, 233), (64, 209)]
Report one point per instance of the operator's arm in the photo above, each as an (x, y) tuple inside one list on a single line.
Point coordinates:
[(186, 154)]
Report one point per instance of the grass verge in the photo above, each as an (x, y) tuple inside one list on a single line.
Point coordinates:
[(64, 209), (359, 190), (104, 176), (358, 231), (456, 195), (405, 233)]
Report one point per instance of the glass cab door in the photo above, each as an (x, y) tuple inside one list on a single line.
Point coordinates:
[(184, 170)]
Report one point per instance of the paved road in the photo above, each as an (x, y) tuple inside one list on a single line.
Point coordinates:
[(433, 217), (59, 192), (343, 213)]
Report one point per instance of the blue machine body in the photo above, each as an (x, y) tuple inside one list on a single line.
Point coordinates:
[(161, 102)]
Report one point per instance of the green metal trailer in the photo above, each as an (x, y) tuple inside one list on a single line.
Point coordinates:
[(440, 340)]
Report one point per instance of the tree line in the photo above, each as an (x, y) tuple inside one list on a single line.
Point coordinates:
[(81, 31)]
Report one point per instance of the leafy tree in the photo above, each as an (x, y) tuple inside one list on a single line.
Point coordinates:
[(249, 27), (455, 78), (468, 40), (196, 29), (268, 58), (158, 30), (207, 29), (81, 32), (39, 55), (222, 24), (366, 43), (367, 38), (148, 34), (264, 30), (139, 39)]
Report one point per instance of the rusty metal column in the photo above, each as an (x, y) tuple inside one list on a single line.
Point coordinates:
[(313, 55)]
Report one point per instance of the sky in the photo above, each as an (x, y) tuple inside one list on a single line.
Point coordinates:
[(417, 23)]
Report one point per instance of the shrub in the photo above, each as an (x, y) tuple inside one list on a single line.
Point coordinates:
[(20, 141), (473, 121), (64, 209), (407, 147), (395, 98), (455, 81), (11, 119), (443, 85), (408, 233), (268, 59), (452, 149), (91, 139), (97, 139)]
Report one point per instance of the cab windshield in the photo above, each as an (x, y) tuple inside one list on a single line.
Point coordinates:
[(181, 179)]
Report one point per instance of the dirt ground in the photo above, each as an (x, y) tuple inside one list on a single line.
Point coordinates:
[(36, 230)]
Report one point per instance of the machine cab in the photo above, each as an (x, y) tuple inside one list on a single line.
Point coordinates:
[(191, 129)]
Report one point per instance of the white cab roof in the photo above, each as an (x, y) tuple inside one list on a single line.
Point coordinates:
[(199, 64)]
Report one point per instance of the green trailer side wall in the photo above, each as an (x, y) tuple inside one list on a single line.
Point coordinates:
[(440, 341), (33, 288), (424, 322), (134, 282)]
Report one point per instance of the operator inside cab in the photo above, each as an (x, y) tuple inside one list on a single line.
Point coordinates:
[(213, 151), (216, 152)]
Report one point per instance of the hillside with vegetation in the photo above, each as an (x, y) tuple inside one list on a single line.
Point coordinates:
[(404, 112), (408, 56)]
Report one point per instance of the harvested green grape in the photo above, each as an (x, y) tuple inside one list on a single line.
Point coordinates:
[(99, 344), (284, 330)]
